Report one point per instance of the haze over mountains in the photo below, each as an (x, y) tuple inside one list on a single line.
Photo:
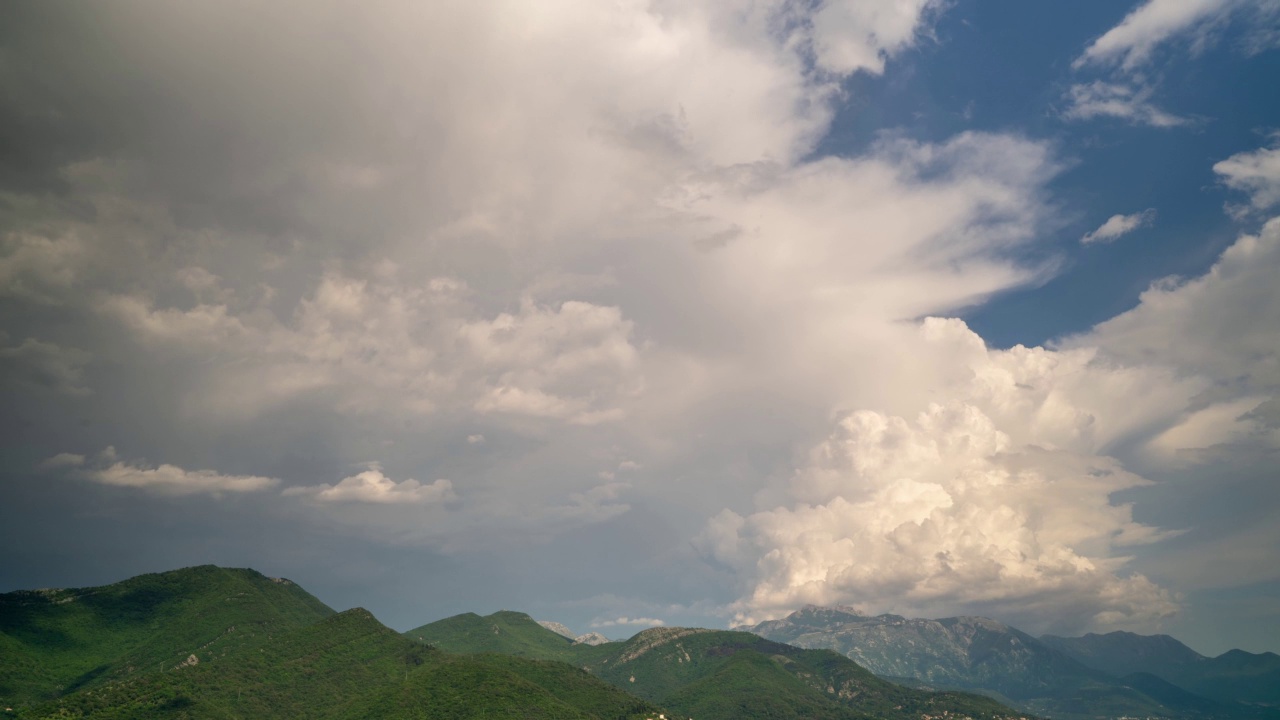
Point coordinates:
[(1117, 673)]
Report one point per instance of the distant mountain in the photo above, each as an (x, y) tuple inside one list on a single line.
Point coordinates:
[(591, 638), (558, 629), (216, 643), (1233, 675), (713, 674), (984, 655)]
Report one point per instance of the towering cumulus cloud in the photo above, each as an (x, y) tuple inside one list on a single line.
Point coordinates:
[(994, 499)]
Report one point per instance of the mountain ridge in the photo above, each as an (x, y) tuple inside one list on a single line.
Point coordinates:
[(985, 655)]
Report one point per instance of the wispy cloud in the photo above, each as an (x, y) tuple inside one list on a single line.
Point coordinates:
[(628, 621), (1124, 101), (1119, 225)]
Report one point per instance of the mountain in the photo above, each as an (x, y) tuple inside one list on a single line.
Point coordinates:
[(285, 655), (58, 641), (1234, 675), (984, 655), (591, 638), (557, 628), (712, 674)]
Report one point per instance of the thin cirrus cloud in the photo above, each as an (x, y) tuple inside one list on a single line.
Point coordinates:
[(1117, 226)]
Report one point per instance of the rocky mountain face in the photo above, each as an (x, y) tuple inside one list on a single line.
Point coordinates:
[(969, 652), (557, 628), (591, 638), (1234, 675), (985, 655)]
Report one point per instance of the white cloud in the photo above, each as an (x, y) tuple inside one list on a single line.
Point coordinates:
[(1131, 43), (1125, 101), (625, 621), (1256, 173), (475, 439), (851, 35), (1118, 225), (173, 480), (995, 502), (372, 486), (1221, 325)]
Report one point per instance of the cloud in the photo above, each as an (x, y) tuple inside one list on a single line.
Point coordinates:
[(994, 502), (1131, 43), (625, 621), (173, 480), (1256, 173), (1221, 325), (1087, 101), (372, 486), (1118, 225), (39, 364), (63, 460), (1125, 52), (848, 35)]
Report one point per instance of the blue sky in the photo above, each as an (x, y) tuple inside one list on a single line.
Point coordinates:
[(646, 312)]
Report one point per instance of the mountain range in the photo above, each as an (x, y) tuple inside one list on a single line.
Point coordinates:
[(712, 674), (210, 642), (1113, 675)]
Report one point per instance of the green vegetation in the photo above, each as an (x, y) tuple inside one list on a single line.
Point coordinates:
[(288, 656), (712, 674), (505, 632), (56, 642)]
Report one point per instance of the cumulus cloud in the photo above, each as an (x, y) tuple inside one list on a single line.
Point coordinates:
[(996, 501), (1220, 327), (1256, 173), (628, 621), (1119, 225), (372, 486), (1125, 101), (169, 479), (383, 342), (848, 35)]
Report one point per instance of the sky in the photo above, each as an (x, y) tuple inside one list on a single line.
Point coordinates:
[(647, 312)]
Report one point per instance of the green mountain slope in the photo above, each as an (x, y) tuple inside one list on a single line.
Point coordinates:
[(351, 666), (505, 632), (58, 641), (713, 674)]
